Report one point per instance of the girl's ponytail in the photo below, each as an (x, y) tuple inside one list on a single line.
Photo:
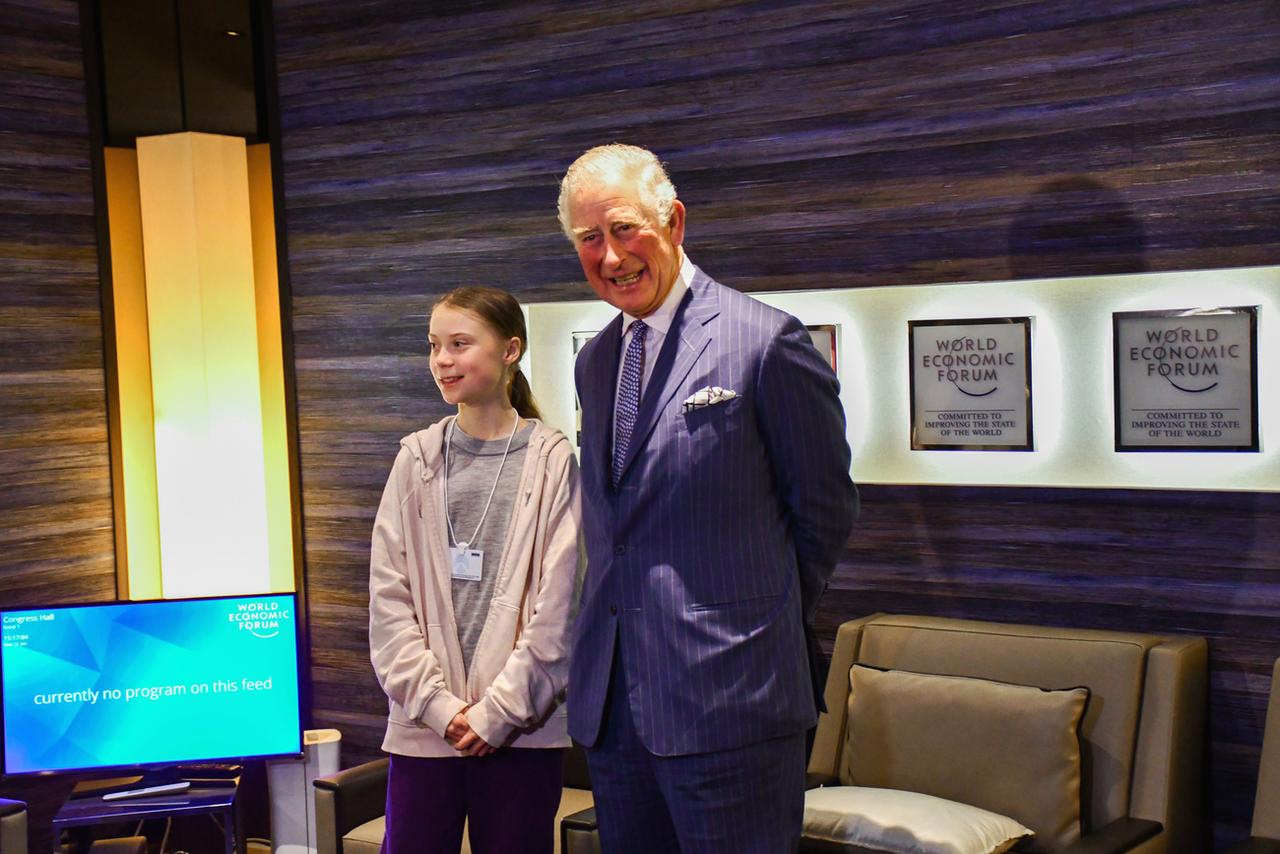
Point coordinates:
[(521, 395)]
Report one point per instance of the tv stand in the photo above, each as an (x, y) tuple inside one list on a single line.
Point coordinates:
[(219, 801)]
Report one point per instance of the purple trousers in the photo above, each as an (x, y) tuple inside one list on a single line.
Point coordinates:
[(509, 797)]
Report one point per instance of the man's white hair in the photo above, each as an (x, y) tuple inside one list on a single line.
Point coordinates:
[(607, 162)]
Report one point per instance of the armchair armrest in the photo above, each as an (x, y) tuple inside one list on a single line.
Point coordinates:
[(348, 799), (13, 825), (1119, 836), (578, 833)]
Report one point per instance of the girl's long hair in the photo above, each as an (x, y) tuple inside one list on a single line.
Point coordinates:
[(501, 312)]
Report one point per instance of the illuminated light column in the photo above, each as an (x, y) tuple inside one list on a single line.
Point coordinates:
[(207, 396), (275, 436), (134, 461)]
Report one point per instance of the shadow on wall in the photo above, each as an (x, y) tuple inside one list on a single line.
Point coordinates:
[(1075, 226)]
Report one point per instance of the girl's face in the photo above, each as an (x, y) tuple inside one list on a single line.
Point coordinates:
[(469, 360)]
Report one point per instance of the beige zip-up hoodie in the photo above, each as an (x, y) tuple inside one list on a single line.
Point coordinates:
[(521, 663)]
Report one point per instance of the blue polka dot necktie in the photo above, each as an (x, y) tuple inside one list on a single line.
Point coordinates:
[(628, 396)]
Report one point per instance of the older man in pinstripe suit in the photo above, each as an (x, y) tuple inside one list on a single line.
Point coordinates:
[(717, 499)]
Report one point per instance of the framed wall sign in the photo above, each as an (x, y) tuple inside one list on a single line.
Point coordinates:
[(1186, 380), (971, 384), (580, 340), (824, 338)]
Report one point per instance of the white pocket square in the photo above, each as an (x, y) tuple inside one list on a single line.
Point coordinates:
[(709, 396)]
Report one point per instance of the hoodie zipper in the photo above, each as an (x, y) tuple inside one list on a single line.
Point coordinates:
[(542, 457)]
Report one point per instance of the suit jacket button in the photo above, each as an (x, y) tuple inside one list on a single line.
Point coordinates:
[(619, 550), (613, 609)]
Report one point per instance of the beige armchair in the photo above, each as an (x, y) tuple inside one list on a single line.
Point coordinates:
[(13, 827), (1137, 733), (1264, 834), (351, 805)]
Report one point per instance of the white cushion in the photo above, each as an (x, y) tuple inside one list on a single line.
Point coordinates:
[(1011, 749), (907, 822)]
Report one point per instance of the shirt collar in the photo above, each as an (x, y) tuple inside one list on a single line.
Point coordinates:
[(665, 313)]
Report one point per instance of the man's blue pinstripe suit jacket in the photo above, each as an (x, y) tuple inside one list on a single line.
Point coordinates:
[(705, 564)]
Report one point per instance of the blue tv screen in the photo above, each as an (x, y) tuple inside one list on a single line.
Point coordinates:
[(131, 684)]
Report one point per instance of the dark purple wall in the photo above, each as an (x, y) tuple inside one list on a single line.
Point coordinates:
[(817, 144), (56, 541)]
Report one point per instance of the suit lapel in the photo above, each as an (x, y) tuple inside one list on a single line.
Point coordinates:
[(597, 416), (686, 340)]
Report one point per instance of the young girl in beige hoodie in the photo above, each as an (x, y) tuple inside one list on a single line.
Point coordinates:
[(475, 549)]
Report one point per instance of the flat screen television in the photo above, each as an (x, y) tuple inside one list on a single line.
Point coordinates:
[(147, 685)]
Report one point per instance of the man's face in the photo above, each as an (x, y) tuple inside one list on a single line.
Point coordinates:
[(630, 260)]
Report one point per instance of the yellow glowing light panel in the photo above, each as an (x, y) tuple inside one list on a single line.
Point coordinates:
[(137, 528), (271, 370), (207, 397)]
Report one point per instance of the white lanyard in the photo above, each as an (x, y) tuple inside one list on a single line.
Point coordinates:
[(448, 434)]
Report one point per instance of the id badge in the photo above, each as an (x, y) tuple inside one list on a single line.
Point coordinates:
[(467, 563)]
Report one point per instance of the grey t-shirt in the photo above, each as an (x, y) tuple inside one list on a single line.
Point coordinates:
[(473, 464)]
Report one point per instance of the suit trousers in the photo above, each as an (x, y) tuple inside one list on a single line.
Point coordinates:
[(746, 800), (509, 799)]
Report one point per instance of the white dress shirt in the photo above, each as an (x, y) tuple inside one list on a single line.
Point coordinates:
[(659, 324)]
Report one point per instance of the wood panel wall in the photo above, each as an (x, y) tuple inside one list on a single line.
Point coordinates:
[(817, 144), (56, 542)]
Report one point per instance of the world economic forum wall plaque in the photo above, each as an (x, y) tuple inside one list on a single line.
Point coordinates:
[(580, 340), (971, 384), (825, 337), (1186, 380)]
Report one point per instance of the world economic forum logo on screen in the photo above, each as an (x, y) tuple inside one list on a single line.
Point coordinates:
[(262, 619)]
